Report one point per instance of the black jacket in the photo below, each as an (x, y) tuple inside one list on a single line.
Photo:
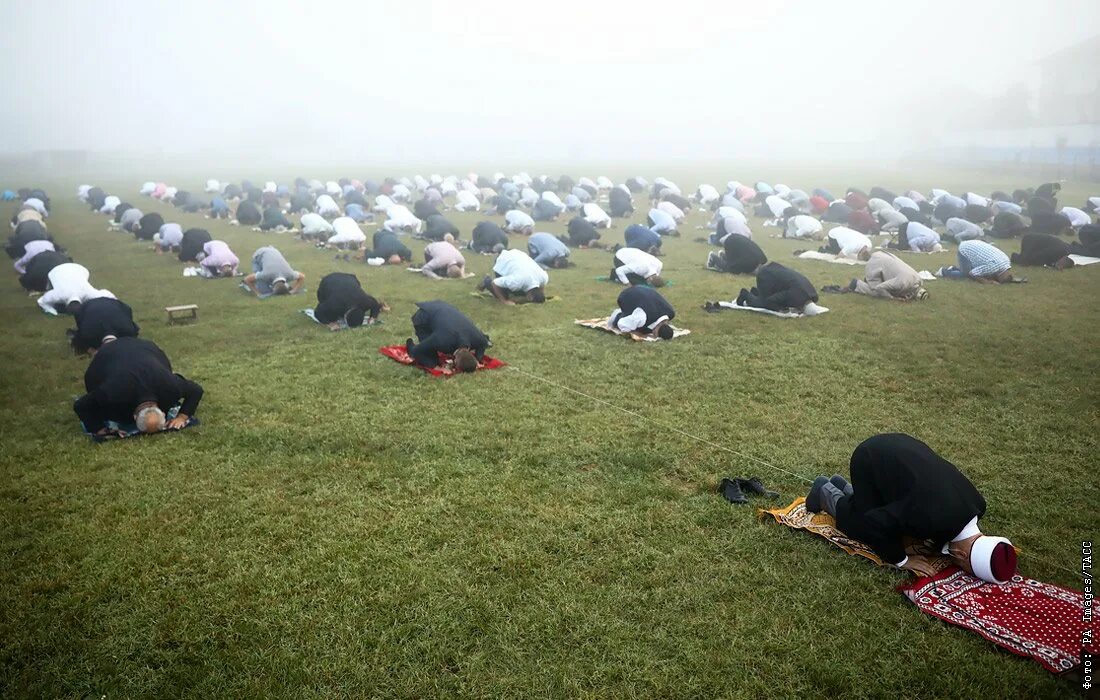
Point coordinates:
[(486, 235), (649, 300), (128, 372), (743, 256), (192, 243), (148, 226), (338, 293), (904, 489), (100, 317), (441, 328), (37, 276), (386, 243)]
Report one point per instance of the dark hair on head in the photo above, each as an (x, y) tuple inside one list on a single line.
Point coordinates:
[(355, 316), (537, 295), (73, 306), (465, 360), (665, 332)]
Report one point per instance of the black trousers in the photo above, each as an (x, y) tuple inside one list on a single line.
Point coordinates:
[(630, 276)]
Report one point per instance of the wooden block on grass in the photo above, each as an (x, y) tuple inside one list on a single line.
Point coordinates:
[(182, 314)]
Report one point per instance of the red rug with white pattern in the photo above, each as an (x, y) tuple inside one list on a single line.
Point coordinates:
[(1027, 617), (446, 367)]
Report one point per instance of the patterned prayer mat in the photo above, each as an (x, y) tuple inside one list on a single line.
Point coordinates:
[(600, 324), (446, 368)]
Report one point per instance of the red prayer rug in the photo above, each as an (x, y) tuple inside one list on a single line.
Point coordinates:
[(1027, 617), (446, 367)]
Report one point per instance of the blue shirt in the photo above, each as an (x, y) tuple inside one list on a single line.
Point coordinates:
[(980, 259), (355, 212), (545, 248), (641, 237), (218, 205)]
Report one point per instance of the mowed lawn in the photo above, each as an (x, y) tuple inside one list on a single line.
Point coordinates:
[(344, 525)]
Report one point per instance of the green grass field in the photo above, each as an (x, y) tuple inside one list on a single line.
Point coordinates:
[(343, 525)]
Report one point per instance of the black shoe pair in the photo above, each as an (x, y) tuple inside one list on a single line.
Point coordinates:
[(711, 307), (734, 490)]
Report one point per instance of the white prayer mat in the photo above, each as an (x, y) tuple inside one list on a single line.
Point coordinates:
[(781, 314), (1083, 259), (927, 276), (342, 323), (827, 257), (600, 324)]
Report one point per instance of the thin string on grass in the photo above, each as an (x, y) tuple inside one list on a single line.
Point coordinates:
[(639, 416)]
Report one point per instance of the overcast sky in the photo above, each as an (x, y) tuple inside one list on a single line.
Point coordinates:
[(477, 80)]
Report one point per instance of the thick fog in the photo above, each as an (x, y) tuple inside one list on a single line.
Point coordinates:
[(478, 81)]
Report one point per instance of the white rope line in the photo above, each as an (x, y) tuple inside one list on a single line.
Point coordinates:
[(663, 425), (1032, 556)]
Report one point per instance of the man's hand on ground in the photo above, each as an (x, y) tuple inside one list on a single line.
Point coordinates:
[(178, 422)]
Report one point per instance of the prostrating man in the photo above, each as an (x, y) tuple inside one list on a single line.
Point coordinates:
[(248, 214), (642, 238), (516, 273), (346, 234), (219, 260), (275, 220), (779, 288), (192, 243), (69, 288), (620, 202), (983, 262), (889, 277), (644, 311), (399, 218), (315, 227), (130, 219), (803, 226), (846, 243), (169, 237), (272, 274), (487, 237), (516, 221), (443, 257), (661, 222), (341, 297), (441, 328), (594, 214), (36, 278), (101, 320), (583, 234), (902, 490), (1043, 249), (436, 227), (131, 379), (1007, 225), (959, 230), (30, 250), (148, 226), (632, 266), (389, 247), (547, 250), (739, 256), (915, 236)]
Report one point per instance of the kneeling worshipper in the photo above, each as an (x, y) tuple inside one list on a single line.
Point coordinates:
[(642, 238), (272, 274), (131, 379), (346, 234), (148, 226), (661, 222), (632, 266), (547, 250), (959, 230), (516, 273), (129, 219), (983, 262), (779, 288), (36, 277), (69, 288), (340, 297), (594, 214), (487, 237), (583, 234), (169, 237), (192, 243), (1043, 249), (848, 243), (644, 311), (101, 320), (399, 218), (1007, 225), (389, 247), (516, 221), (889, 277), (248, 214), (315, 226), (901, 489), (218, 260), (739, 256), (441, 328), (436, 227), (803, 226), (24, 233), (30, 250), (917, 237), (275, 220), (443, 257)]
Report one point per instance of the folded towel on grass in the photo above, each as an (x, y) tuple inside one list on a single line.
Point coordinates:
[(1030, 618), (130, 430), (342, 322), (827, 257), (600, 324), (780, 314), (446, 367)]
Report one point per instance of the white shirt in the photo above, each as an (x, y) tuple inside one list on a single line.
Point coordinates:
[(327, 206), (635, 320), (82, 192), (850, 241), (737, 226), (518, 272), (637, 261), (1077, 217), (905, 203), (595, 215), (383, 203), (421, 183), (147, 188), (972, 198), (921, 238), (170, 193), (962, 229), (516, 220), (345, 230), (777, 205), (270, 186), (69, 283), (803, 226), (891, 219), (587, 182), (30, 250), (211, 186), (399, 217), (528, 197), (401, 193), (315, 224), (672, 210), (727, 213), (662, 221), (553, 198), (109, 204), (1095, 202), (604, 183), (781, 190), (170, 235), (467, 202), (1001, 207), (877, 205), (37, 204)]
